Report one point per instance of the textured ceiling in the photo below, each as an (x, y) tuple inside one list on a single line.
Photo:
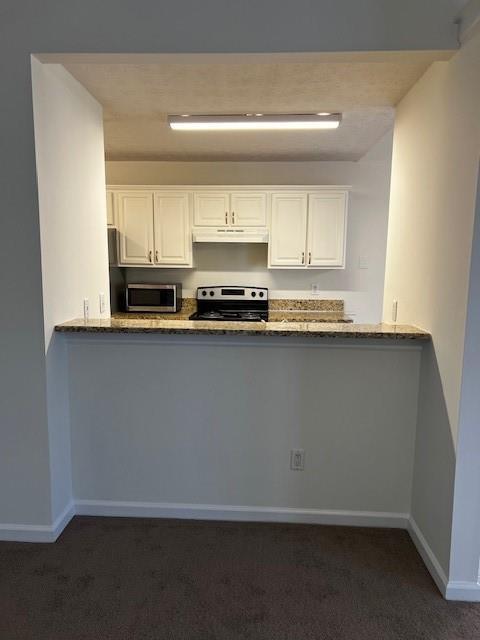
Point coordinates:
[(138, 97)]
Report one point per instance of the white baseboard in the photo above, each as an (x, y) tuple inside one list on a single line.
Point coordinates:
[(49, 533), (429, 558), (37, 532), (463, 591), (240, 513), (63, 519)]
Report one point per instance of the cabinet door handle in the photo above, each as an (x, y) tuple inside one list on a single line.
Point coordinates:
[(303, 257), (156, 255), (149, 256), (233, 217), (226, 217), (309, 257)]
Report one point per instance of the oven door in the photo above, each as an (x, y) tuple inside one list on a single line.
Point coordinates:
[(153, 297)]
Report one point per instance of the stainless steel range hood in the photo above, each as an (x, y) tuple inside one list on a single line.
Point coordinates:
[(240, 234)]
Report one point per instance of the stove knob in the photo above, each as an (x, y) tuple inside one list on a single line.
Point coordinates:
[(211, 293), (261, 294), (204, 293), (253, 294)]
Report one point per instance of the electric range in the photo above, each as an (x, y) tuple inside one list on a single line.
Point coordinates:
[(241, 304)]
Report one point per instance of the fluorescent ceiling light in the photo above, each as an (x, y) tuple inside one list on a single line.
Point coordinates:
[(256, 122)]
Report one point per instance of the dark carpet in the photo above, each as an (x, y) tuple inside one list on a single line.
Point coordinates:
[(116, 579)]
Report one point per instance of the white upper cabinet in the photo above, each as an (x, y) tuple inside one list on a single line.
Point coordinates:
[(172, 233), (248, 208), (308, 230), (305, 226), (326, 229), (211, 209), (135, 219), (224, 209), (110, 208), (288, 230)]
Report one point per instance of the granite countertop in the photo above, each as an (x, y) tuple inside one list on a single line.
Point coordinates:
[(287, 317), (283, 310), (196, 327)]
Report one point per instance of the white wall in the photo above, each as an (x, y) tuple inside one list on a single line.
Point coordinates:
[(71, 187), (362, 289), (434, 172), (195, 420)]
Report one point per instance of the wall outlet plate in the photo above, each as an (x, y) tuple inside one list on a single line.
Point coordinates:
[(101, 302), (315, 289), (394, 310), (297, 459), (86, 309)]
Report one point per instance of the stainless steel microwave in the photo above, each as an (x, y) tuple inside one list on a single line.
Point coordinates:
[(155, 298)]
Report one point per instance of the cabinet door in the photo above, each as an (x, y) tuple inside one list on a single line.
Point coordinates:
[(288, 230), (135, 215), (173, 238), (249, 208), (326, 229), (110, 208), (211, 209)]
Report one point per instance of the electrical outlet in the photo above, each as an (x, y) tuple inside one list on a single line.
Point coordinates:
[(101, 302), (363, 262), (297, 459), (315, 289), (86, 309), (394, 310)]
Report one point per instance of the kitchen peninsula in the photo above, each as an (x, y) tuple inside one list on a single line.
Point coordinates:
[(282, 328), (189, 418)]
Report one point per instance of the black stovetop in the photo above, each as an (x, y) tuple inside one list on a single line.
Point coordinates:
[(232, 303), (239, 316)]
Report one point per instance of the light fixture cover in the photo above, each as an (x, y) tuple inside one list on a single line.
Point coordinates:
[(255, 122)]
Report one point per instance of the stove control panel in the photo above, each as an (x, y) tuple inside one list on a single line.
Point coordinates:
[(232, 293)]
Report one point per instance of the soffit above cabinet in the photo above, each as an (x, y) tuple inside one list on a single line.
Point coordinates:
[(228, 187)]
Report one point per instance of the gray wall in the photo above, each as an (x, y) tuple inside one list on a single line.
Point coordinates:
[(26, 27), (24, 454), (465, 560)]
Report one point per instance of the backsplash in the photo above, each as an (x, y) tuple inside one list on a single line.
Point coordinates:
[(307, 305)]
